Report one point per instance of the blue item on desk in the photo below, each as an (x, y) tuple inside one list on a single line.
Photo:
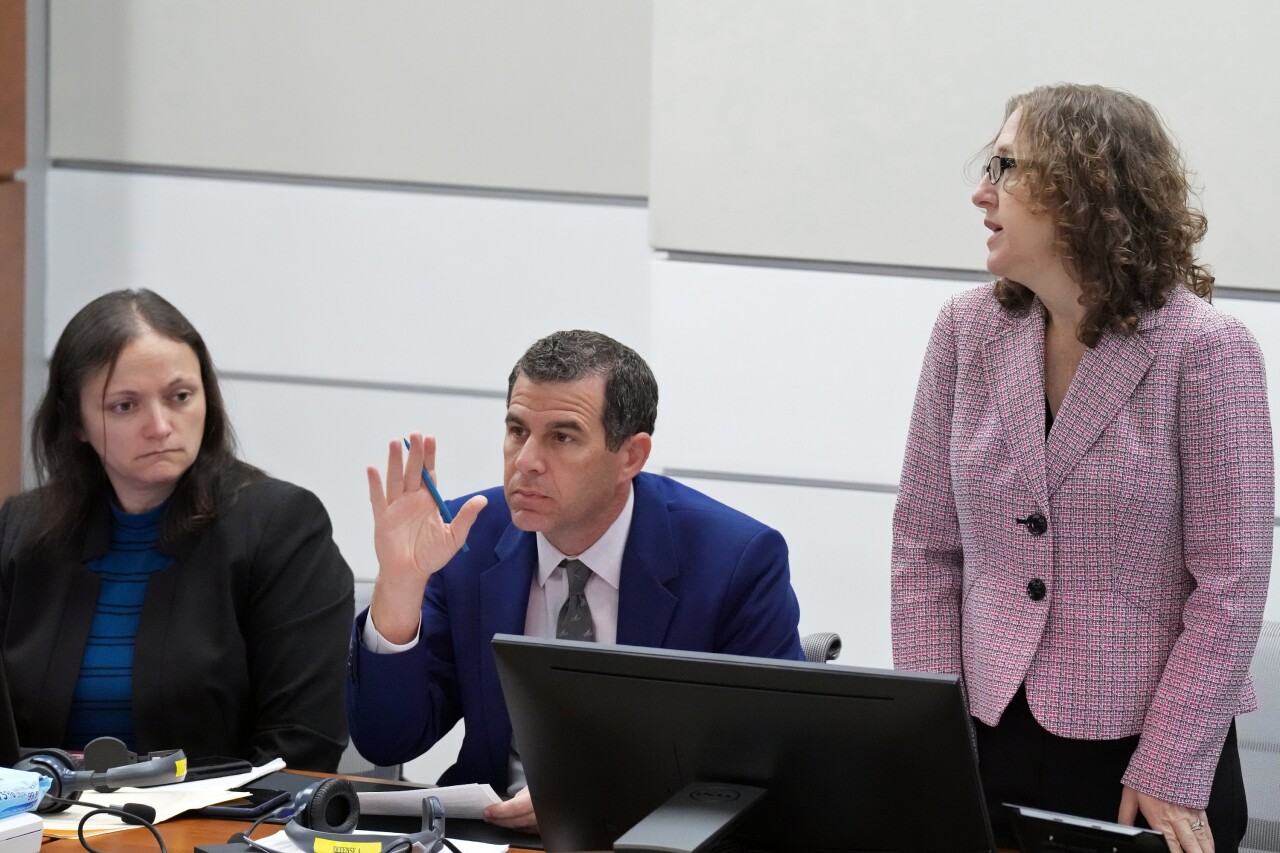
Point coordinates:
[(21, 791)]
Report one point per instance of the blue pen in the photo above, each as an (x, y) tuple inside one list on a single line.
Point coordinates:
[(435, 493)]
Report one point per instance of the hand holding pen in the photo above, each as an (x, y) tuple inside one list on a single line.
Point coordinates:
[(431, 487), (413, 534)]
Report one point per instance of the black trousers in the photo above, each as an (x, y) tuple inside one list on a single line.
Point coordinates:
[(1021, 763)]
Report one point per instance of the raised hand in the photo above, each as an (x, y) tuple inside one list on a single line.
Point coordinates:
[(411, 539)]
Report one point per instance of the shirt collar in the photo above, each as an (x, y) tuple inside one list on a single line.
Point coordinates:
[(604, 557)]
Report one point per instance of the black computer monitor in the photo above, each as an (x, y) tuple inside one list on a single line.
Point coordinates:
[(849, 759)]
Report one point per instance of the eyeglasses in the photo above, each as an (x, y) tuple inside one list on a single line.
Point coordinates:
[(998, 166)]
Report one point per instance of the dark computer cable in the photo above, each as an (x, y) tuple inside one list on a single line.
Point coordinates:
[(135, 814), (243, 837)]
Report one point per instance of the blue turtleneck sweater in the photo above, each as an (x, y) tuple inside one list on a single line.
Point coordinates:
[(103, 699)]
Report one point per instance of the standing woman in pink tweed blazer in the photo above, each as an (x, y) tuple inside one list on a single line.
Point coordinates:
[(1085, 519)]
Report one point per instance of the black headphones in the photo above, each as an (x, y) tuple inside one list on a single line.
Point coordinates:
[(328, 811), (108, 764)]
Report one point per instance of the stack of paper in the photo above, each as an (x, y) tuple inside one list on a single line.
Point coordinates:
[(460, 801)]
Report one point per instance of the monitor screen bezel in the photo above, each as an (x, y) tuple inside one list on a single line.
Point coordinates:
[(575, 708)]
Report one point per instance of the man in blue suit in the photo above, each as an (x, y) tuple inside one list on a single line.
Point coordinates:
[(577, 543)]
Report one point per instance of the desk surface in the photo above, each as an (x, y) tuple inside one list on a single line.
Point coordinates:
[(180, 835), (184, 833)]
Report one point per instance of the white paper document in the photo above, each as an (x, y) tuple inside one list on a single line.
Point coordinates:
[(460, 801)]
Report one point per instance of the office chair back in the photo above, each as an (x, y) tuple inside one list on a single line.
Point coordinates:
[(1259, 736), (820, 648)]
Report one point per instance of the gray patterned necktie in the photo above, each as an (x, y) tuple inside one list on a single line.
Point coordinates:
[(575, 614)]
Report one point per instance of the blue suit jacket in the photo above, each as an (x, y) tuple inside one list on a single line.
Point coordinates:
[(696, 575)]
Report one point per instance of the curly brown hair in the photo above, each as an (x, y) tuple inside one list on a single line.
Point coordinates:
[(1101, 163)]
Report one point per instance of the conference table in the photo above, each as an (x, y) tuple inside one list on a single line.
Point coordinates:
[(182, 834)]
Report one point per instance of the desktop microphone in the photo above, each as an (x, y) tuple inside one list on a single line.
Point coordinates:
[(134, 814)]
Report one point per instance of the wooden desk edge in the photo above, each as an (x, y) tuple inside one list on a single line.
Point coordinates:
[(184, 833)]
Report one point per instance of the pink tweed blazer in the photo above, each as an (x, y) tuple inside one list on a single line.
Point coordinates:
[(1137, 605)]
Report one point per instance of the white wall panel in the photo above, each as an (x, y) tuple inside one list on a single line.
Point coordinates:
[(428, 766), (787, 372), (347, 283), (1272, 612), (1263, 319), (324, 438), (551, 95), (840, 129), (840, 543)]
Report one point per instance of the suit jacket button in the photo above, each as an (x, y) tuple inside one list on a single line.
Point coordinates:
[(1036, 523), (1035, 589)]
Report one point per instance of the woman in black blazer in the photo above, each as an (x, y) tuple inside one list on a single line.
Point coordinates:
[(154, 587)]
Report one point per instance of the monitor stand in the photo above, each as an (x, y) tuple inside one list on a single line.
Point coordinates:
[(689, 821)]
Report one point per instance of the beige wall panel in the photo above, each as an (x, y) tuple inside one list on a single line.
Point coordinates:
[(12, 237), (13, 82), (841, 129), (552, 95)]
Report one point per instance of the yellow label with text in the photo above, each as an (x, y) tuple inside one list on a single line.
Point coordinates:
[(332, 845)]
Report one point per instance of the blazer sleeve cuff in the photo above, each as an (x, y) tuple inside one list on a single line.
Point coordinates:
[(1176, 772)]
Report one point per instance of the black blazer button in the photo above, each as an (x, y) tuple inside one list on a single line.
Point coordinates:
[(1035, 589), (1036, 523)]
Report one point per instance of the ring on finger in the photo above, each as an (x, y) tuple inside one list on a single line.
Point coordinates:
[(1197, 825)]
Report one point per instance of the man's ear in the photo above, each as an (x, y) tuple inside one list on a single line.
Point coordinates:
[(635, 452)]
